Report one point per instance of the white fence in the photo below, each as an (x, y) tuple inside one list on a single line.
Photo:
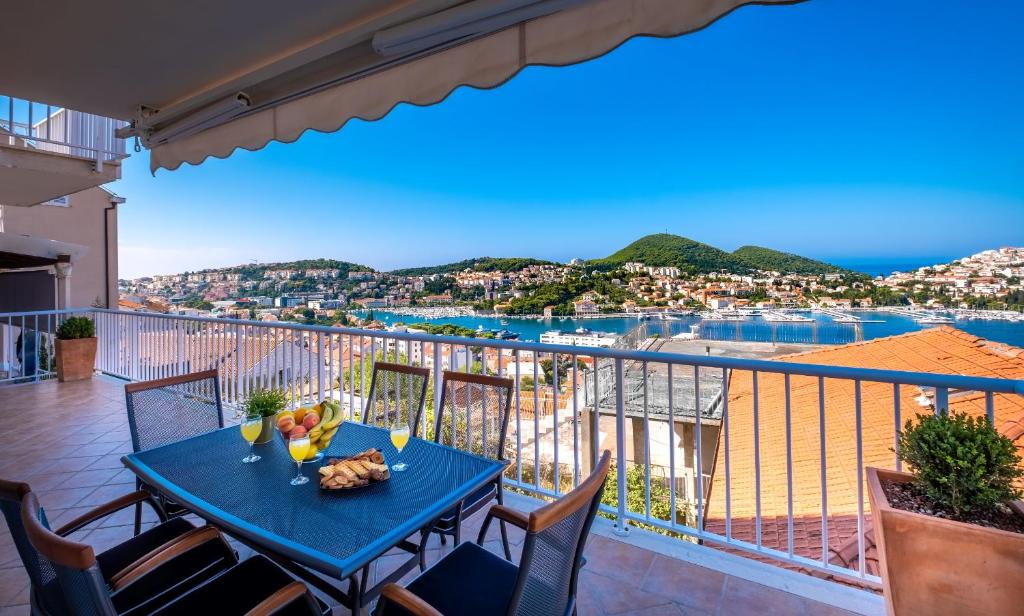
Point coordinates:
[(666, 417)]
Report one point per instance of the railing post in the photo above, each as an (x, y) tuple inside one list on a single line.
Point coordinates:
[(621, 524), (136, 365), (181, 332), (437, 381), (941, 400)]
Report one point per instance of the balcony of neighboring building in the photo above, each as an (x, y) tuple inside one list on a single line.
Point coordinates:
[(48, 152)]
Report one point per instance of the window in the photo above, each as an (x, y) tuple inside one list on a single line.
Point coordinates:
[(64, 201)]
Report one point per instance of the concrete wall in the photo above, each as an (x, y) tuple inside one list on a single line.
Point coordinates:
[(94, 277), (659, 437)]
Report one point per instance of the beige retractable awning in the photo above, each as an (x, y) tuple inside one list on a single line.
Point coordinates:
[(568, 37), (201, 78)]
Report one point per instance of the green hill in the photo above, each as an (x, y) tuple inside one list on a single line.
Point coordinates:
[(761, 258), (480, 264), (664, 249), (255, 271)]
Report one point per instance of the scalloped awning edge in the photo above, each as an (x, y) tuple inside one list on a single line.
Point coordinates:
[(561, 39)]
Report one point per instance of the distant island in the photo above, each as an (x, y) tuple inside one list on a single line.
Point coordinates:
[(654, 273)]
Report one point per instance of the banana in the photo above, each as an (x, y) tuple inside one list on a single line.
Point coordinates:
[(333, 422), (327, 414), (325, 438), (315, 433)]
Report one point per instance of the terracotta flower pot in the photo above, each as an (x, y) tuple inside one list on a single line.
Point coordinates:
[(940, 567), (75, 359)]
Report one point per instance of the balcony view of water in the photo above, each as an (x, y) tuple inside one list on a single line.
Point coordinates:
[(823, 329)]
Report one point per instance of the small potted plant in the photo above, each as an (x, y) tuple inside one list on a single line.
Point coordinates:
[(265, 403), (951, 535), (76, 349)]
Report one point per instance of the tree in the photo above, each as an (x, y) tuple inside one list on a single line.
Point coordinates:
[(564, 364), (636, 501)]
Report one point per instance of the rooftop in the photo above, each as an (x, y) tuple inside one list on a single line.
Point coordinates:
[(941, 350)]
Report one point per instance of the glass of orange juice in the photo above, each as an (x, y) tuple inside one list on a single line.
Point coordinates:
[(251, 428), (298, 448), (399, 438)]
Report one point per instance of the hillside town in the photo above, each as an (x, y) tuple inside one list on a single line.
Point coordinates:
[(325, 290)]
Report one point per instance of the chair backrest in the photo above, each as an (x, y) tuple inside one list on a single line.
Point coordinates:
[(77, 581), (553, 549), (173, 409), (46, 589), (474, 413), (397, 393)]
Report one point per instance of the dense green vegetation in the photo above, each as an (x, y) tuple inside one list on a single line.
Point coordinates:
[(761, 258), (449, 329), (664, 249), (194, 301), (561, 294), (255, 271), (480, 264)]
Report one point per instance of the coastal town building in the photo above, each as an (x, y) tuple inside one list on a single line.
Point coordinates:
[(990, 279)]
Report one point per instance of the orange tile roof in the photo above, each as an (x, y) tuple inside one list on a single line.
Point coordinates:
[(937, 350)]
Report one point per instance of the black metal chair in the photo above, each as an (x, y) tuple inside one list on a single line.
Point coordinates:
[(138, 574), (474, 416), (253, 587), (169, 410), (397, 393), (195, 574), (470, 580)]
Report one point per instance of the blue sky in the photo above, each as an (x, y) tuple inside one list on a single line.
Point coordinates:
[(853, 130)]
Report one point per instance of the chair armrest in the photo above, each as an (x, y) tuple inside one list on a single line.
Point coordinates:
[(512, 516), (106, 509), (278, 600), (393, 593), (503, 514), (164, 554)]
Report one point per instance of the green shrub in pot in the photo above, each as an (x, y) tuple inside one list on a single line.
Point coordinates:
[(950, 533), (962, 464), (265, 403), (76, 349), (75, 328)]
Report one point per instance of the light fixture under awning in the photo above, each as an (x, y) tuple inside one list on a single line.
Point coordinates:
[(443, 58)]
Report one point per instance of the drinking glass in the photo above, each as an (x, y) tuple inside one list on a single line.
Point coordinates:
[(251, 428), (399, 437), (298, 447)]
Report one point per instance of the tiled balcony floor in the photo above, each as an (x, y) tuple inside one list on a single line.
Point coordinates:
[(66, 440)]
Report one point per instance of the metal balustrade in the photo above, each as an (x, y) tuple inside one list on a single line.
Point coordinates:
[(677, 409), (50, 128)]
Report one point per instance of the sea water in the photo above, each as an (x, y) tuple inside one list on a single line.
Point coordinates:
[(822, 330)]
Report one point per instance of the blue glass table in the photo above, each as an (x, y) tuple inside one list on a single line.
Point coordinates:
[(336, 533)]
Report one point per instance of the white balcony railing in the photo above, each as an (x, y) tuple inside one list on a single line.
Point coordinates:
[(665, 416), (54, 129)]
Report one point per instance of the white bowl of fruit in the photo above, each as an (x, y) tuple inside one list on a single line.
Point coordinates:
[(320, 422)]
